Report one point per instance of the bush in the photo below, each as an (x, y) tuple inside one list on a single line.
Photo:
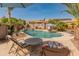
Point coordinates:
[(61, 26), (53, 21), (11, 23), (4, 20)]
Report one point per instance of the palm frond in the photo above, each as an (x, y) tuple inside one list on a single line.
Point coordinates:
[(73, 9)]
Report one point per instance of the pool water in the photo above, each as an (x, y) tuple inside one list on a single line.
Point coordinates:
[(42, 34)]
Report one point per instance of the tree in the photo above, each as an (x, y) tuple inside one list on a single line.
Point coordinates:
[(9, 12), (28, 25), (4, 20), (45, 23), (73, 9), (13, 21), (33, 23), (53, 21), (24, 22), (61, 26)]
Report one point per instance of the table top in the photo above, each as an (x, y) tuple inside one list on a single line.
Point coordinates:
[(32, 41)]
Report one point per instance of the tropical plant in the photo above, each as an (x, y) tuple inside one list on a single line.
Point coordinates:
[(4, 20), (24, 22), (9, 11), (45, 23), (61, 26), (33, 23), (73, 9), (53, 21), (28, 25)]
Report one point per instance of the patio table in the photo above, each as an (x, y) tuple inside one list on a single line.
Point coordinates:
[(32, 43)]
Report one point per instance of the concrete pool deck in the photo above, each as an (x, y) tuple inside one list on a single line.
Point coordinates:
[(65, 40)]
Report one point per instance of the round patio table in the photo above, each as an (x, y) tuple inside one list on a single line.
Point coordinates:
[(33, 44), (33, 41)]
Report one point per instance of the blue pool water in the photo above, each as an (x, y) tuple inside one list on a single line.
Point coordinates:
[(42, 34)]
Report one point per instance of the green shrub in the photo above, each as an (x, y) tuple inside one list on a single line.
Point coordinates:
[(61, 26)]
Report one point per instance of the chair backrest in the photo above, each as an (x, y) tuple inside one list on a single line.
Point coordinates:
[(3, 31), (14, 40)]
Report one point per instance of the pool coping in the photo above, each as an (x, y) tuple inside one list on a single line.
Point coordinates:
[(65, 35)]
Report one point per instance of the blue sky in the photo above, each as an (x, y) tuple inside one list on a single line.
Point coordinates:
[(39, 11)]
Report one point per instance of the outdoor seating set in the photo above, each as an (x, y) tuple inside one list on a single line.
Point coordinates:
[(35, 46)]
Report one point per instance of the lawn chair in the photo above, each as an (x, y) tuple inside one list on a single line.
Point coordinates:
[(18, 48)]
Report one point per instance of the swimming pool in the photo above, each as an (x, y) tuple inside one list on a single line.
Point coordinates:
[(42, 34)]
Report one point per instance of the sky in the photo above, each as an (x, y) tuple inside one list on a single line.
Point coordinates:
[(39, 11)]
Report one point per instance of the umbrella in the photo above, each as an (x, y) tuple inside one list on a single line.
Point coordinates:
[(11, 6)]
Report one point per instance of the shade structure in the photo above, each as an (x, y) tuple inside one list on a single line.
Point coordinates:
[(21, 5), (11, 6)]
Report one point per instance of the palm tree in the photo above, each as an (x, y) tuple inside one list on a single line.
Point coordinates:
[(45, 23), (9, 11), (53, 21), (73, 9), (61, 26)]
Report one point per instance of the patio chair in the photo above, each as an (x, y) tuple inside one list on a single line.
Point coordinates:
[(21, 34), (47, 51), (18, 47), (3, 32)]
